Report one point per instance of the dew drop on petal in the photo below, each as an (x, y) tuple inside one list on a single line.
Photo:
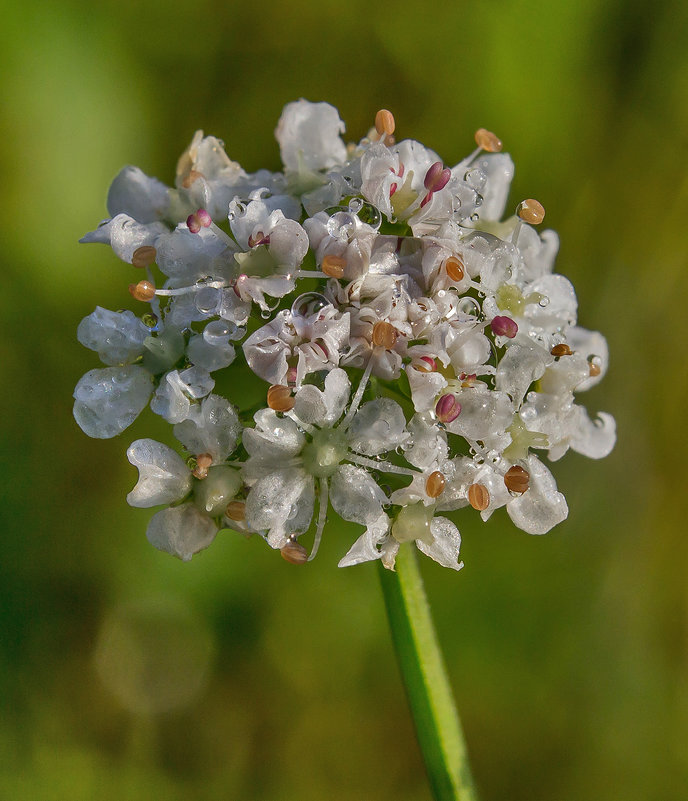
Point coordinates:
[(218, 332), (207, 299), (469, 306), (308, 304)]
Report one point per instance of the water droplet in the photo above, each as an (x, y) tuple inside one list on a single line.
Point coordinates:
[(355, 205), (475, 217), (293, 511), (370, 215), (308, 304), (544, 301), (341, 225), (218, 332), (207, 299), (469, 306)]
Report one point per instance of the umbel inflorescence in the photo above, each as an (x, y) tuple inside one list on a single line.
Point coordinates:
[(412, 352)]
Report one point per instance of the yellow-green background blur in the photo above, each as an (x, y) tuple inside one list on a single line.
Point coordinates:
[(127, 675)]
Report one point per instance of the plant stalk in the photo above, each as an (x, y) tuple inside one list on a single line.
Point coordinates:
[(425, 678)]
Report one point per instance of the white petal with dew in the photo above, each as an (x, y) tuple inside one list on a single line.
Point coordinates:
[(355, 496), (378, 426), (163, 474), (445, 545), (109, 400), (181, 531), (541, 506)]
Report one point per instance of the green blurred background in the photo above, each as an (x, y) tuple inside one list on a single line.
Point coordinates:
[(125, 674)]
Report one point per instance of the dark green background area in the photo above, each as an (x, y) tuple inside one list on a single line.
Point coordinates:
[(125, 674)]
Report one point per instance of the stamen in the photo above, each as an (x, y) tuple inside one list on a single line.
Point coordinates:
[(595, 369), (437, 177), (236, 510), (488, 141), (185, 290), (531, 211), (385, 335), (503, 326), (381, 465), (333, 266), (455, 268), (561, 350), (199, 219), (516, 479), (291, 376), (258, 239), (280, 398), (143, 291), (434, 486), (144, 256), (294, 553), (448, 408), (353, 407), (478, 497), (203, 462), (384, 123), (193, 176), (322, 518), (425, 364)]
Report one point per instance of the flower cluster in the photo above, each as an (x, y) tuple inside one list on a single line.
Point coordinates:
[(415, 351)]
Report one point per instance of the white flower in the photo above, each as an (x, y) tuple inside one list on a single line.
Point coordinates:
[(313, 340), (309, 135), (288, 456), (402, 279)]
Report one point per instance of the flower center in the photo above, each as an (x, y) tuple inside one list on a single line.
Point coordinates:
[(323, 455), (413, 523)]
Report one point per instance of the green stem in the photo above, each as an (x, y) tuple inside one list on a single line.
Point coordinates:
[(425, 677)]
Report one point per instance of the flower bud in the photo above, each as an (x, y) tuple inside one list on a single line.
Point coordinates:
[(503, 326), (448, 408)]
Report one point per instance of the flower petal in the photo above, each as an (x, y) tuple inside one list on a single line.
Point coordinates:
[(181, 531), (355, 496), (540, 507), (445, 545), (163, 474), (377, 427)]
